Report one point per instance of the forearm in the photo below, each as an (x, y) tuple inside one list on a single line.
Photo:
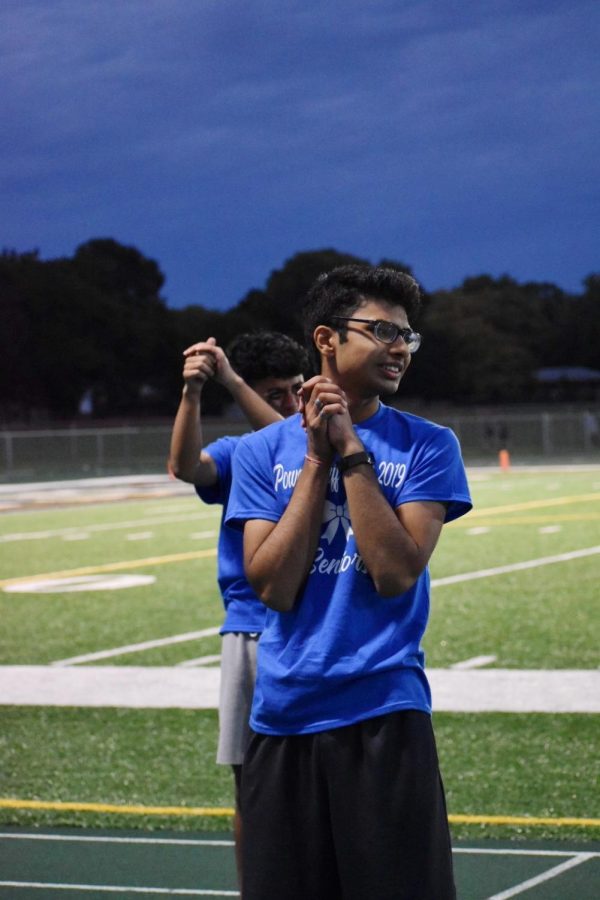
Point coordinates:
[(395, 548), (186, 440), (277, 565)]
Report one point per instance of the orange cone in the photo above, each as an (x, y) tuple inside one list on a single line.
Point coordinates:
[(504, 460)]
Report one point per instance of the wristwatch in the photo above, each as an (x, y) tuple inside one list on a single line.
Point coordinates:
[(356, 459)]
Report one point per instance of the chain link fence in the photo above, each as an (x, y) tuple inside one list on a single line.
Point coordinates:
[(87, 452)]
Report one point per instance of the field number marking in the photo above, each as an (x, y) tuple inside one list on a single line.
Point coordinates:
[(116, 566)]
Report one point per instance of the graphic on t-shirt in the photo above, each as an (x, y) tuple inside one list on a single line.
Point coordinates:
[(336, 516)]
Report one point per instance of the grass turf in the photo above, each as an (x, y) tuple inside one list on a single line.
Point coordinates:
[(494, 764)]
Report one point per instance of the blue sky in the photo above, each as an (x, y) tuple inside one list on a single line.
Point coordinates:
[(220, 137)]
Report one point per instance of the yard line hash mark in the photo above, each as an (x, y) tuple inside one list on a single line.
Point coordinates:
[(476, 662), (103, 526)]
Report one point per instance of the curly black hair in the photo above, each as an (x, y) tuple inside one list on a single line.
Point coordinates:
[(341, 291), (264, 354)]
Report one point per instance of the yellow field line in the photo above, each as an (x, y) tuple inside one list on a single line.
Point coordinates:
[(120, 809), (224, 811), (211, 552), (115, 566), (534, 504), (457, 819)]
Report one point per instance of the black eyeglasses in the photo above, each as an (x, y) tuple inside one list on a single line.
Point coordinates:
[(388, 332)]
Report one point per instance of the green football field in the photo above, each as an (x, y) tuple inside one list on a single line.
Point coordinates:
[(516, 586)]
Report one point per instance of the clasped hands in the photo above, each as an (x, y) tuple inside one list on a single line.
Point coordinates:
[(326, 420), (205, 360)]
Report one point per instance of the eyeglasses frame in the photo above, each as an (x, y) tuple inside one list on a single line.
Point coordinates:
[(407, 334)]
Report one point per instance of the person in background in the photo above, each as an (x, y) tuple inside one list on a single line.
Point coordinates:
[(341, 511), (263, 372)]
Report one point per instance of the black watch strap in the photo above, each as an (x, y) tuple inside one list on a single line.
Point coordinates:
[(355, 459)]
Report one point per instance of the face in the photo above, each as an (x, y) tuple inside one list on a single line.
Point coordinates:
[(280, 393), (365, 366)]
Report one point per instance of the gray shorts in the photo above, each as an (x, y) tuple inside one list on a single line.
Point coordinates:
[(238, 674)]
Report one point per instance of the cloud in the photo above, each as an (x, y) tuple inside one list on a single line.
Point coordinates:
[(296, 121)]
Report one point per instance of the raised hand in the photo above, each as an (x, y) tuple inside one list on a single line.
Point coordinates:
[(200, 361)]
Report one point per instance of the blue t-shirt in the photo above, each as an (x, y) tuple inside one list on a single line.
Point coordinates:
[(243, 610), (344, 653)]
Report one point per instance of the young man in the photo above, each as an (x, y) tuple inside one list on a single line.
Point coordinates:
[(263, 373), (341, 791)]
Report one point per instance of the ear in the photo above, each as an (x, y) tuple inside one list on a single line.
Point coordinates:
[(325, 339)]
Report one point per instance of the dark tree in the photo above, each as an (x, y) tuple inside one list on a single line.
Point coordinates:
[(97, 325), (279, 306)]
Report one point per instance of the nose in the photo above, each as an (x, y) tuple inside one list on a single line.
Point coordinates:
[(400, 346), (291, 402)]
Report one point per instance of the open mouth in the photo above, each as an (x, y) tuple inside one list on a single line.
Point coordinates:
[(391, 370)]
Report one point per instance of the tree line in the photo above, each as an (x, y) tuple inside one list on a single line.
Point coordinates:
[(92, 333)]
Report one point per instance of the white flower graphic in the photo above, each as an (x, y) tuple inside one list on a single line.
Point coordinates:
[(336, 515)]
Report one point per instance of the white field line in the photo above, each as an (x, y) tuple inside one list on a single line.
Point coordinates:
[(136, 648), (205, 842), (118, 889), (473, 471), (106, 526), (80, 838), (516, 567), (175, 687), (108, 481), (545, 876), (476, 662), (436, 582), (199, 661), (505, 851)]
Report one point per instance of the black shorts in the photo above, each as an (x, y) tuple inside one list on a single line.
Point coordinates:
[(355, 813)]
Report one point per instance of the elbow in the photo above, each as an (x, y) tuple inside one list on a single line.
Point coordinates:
[(394, 584), (278, 600), (175, 469), (392, 587), (182, 472), (393, 577)]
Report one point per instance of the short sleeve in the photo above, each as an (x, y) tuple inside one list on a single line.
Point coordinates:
[(221, 452), (437, 472), (252, 493)]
